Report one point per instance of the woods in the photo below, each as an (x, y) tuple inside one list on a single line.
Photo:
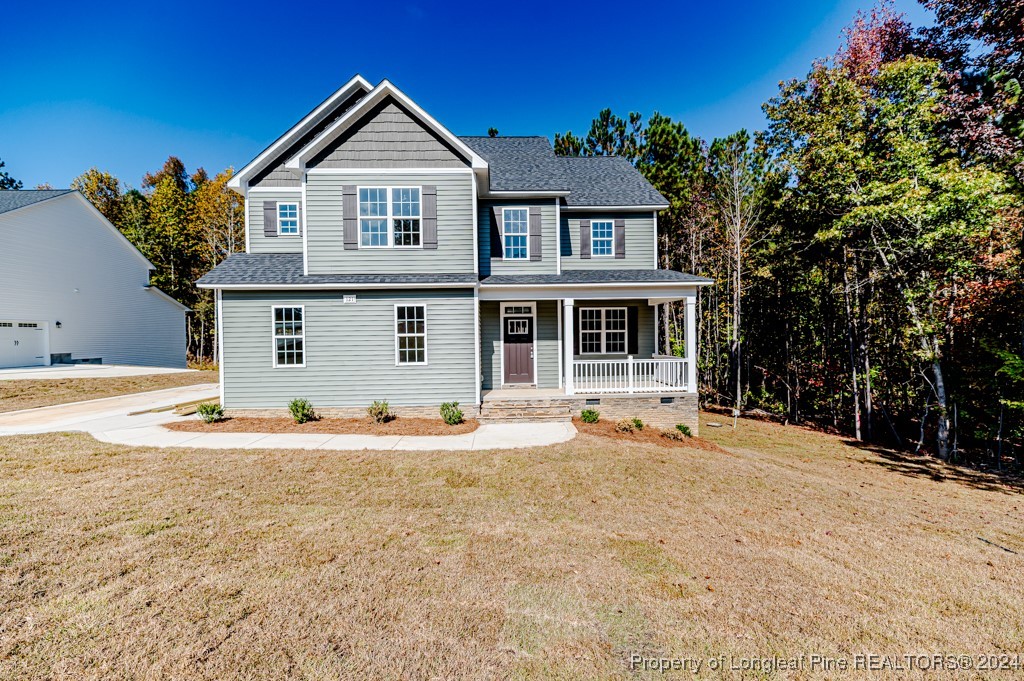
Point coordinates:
[(866, 246)]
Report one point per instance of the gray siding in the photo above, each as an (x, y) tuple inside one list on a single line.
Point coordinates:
[(645, 326), (254, 224), (60, 261), (640, 254), (548, 263), (387, 138), (326, 244), (350, 350), (546, 344)]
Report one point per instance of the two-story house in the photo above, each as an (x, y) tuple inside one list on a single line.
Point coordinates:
[(387, 258)]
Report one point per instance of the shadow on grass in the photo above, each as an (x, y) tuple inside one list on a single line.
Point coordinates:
[(923, 466)]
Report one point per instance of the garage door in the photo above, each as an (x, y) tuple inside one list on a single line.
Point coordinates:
[(21, 344)]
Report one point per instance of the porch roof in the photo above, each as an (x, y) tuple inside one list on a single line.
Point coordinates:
[(597, 278)]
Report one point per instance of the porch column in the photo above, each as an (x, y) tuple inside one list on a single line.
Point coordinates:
[(691, 344), (567, 342)]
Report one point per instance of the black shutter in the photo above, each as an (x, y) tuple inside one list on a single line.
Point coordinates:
[(496, 249), (576, 330), (535, 233), (620, 238), (429, 197), (632, 330), (270, 218), (350, 216), (585, 239)]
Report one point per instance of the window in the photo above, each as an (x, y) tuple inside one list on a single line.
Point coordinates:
[(27, 325), (6, 324), (601, 238), (287, 218), (515, 232), (519, 309), (602, 330), (518, 327), (289, 337), (410, 334), (389, 216)]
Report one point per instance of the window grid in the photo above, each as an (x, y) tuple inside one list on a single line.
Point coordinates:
[(289, 337), (602, 331), (515, 233), (411, 334), (389, 217), (601, 238), (287, 218)]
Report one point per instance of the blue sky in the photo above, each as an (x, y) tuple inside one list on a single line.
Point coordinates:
[(121, 86)]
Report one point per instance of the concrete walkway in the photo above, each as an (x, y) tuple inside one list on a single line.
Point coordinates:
[(82, 371), (108, 421)]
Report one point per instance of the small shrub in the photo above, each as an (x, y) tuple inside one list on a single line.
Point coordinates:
[(590, 416), (211, 412), (380, 411), (684, 429), (302, 410), (625, 426), (637, 423), (673, 435), (451, 414)]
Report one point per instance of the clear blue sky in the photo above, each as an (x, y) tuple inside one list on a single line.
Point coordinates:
[(121, 86)]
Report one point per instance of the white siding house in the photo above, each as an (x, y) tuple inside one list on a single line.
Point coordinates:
[(73, 288)]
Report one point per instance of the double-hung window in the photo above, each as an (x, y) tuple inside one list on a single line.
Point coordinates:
[(287, 218), (602, 330), (389, 217), (410, 334), (602, 232), (289, 336), (515, 233)]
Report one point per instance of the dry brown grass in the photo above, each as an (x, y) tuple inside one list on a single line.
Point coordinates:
[(554, 562), (15, 395), (649, 434), (396, 426)]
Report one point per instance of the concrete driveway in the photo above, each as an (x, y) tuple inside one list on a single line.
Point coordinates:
[(83, 371)]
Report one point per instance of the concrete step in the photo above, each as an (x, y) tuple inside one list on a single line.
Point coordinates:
[(546, 418), (511, 411)]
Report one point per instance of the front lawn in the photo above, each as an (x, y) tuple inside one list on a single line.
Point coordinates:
[(552, 562), (44, 392)]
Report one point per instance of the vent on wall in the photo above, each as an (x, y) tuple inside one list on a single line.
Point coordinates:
[(668, 400), (593, 400)]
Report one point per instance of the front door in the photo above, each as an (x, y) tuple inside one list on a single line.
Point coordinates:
[(518, 349)]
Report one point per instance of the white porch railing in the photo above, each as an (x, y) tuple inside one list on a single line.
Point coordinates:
[(630, 375)]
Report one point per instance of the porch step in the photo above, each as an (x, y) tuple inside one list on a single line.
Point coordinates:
[(524, 410)]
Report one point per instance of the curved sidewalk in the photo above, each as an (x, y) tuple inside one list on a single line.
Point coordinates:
[(108, 421)]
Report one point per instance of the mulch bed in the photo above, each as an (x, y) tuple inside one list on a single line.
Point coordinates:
[(364, 426), (649, 435)]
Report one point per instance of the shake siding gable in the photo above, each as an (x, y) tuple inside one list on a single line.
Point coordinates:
[(350, 350), (325, 223)]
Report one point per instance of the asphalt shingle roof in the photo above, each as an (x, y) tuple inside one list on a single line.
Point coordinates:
[(608, 181), (13, 199), (520, 163), (595, 277), (286, 269)]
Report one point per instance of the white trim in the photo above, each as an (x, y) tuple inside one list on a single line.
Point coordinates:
[(274, 337), (389, 218), (298, 222), (567, 343), (476, 227), (501, 337), (617, 208), (525, 235), (616, 284), (337, 286), (611, 254), (304, 227), (476, 345), (558, 240), (498, 194), (426, 359), (302, 127), (604, 330), (561, 350), (161, 294), (272, 190), (659, 295), (388, 171), (220, 343), (245, 194), (384, 89)]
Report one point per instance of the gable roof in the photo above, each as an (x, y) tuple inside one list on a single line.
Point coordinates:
[(352, 116), (520, 163), (13, 199), (307, 127), (608, 181)]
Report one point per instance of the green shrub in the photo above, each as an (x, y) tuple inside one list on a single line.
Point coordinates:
[(211, 412), (637, 423), (451, 414), (380, 411), (302, 410), (673, 434), (625, 426), (590, 416), (684, 429)]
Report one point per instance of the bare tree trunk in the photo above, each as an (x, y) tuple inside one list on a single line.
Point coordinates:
[(855, 391), (942, 436)]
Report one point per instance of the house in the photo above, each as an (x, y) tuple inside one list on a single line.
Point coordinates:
[(76, 290), (387, 258)]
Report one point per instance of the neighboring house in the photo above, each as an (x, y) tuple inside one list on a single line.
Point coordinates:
[(76, 290), (390, 259)]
